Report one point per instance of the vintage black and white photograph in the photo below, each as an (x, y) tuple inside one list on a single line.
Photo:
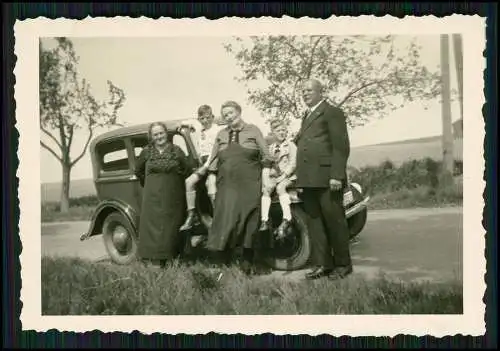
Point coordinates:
[(207, 169)]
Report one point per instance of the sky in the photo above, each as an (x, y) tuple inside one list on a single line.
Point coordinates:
[(168, 78)]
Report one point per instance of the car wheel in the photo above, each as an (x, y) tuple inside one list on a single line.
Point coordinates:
[(119, 239), (293, 252)]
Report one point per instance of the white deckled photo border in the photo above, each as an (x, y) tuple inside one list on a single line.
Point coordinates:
[(471, 322)]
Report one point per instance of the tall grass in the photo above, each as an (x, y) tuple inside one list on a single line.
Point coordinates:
[(77, 287)]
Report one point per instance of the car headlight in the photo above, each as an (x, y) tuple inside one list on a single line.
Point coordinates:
[(357, 187)]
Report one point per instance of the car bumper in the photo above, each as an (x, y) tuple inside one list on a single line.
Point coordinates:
[(360, 206)]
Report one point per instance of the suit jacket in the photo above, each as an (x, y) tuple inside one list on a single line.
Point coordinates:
[(323, 147)]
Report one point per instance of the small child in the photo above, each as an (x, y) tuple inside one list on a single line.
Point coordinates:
[(204, 143), (282, 176)]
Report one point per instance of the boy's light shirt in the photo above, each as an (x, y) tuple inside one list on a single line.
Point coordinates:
[(286, 160), (205, 140)]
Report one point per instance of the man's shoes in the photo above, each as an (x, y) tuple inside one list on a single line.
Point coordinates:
[(319, 272), (340, 272), (264, 226)]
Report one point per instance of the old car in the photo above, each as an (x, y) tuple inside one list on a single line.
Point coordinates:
[(119, 191)]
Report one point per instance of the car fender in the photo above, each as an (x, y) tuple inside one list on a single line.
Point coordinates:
[(103, 210)]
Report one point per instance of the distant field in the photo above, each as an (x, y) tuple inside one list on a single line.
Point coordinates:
[(396, 152), (79, 187)]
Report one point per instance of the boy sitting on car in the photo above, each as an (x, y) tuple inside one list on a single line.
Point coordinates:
[(282, 175), (204, 143)]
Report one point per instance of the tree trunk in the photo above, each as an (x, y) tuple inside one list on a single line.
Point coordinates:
[(446, 109), (65, 188)]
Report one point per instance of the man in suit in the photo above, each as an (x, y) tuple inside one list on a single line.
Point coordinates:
[(323, 148)]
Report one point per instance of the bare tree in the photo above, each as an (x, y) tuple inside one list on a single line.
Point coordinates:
[(67, 107)]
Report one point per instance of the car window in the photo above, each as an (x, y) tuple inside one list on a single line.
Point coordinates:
[(139, 142), (113, 156)]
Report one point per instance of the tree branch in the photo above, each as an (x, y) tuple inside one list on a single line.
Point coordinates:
[(49, 134), (311, 58), (84, 148), (297, 51), (357, 90), (45, 146), (283, 94)]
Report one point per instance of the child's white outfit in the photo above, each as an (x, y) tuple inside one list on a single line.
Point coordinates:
[(284, 155), (203, 142)]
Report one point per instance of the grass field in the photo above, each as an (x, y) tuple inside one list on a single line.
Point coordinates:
[(77, 287)]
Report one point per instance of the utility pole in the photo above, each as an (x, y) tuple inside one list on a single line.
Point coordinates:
[(459, 125), (446, 108), (457, 49)]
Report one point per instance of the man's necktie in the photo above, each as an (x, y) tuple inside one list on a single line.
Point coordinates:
[(306, 115)]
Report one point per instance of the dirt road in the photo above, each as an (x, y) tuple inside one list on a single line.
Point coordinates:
[(414, 244)]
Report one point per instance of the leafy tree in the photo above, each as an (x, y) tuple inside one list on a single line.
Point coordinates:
[(67, 106), (368, 76)]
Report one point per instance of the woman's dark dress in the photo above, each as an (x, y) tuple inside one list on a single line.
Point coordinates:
[(237, 203), (163, 208)]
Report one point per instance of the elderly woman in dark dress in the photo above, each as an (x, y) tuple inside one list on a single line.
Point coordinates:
[(162, 169), (239, 169)]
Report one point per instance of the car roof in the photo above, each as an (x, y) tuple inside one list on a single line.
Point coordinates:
[(172, 125)]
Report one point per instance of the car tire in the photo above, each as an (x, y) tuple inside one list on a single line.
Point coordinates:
[(116, 224), (301, 255)]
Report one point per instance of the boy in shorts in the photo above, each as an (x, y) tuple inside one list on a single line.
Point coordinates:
[(204, 143), (284, 151)]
